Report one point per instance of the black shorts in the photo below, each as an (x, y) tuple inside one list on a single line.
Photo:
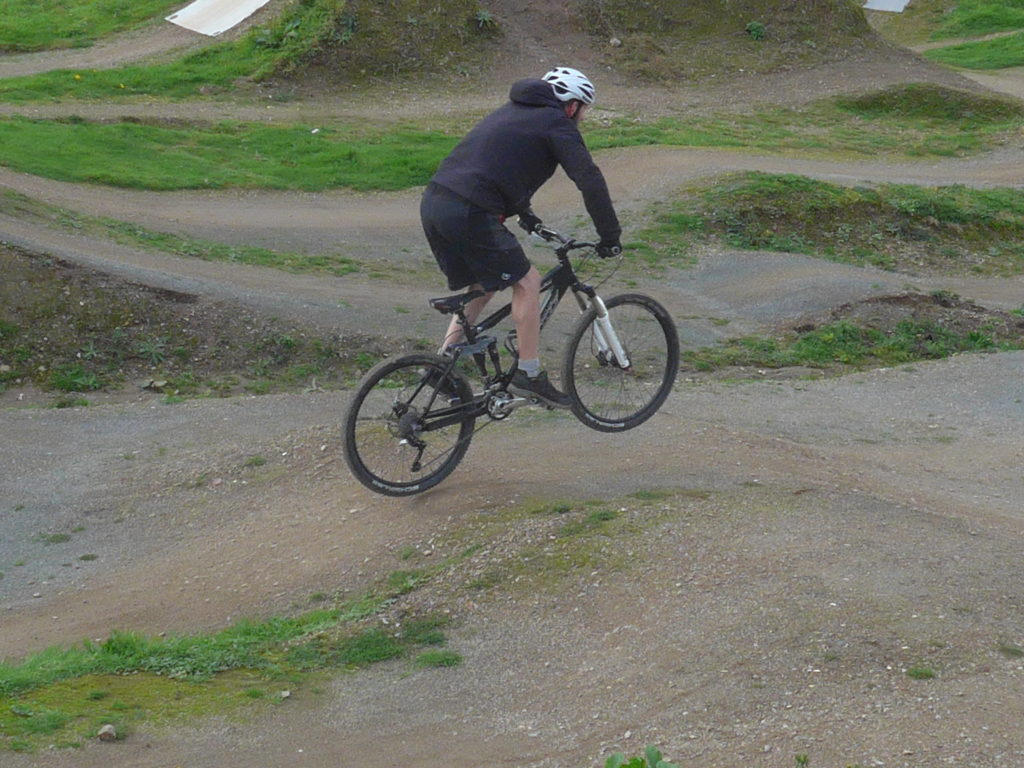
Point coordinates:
[(471, 245)]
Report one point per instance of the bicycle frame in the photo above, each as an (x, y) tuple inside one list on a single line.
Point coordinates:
[(558, 281), (555, 283)]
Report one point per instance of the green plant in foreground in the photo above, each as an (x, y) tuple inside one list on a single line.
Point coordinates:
[(74, 378), (652, 758), (920, 673), (59, 694), (439, 659)]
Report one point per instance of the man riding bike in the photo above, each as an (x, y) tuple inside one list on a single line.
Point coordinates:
[(492, 174)]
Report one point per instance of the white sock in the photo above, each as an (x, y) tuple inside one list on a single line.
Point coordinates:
[(530, 367)]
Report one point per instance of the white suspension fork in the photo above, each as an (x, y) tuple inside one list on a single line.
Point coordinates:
[(604, 334)]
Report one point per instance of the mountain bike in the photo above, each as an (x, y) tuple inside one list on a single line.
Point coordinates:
[(412, 417)]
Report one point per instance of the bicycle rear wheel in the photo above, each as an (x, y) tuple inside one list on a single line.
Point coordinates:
[(606, 396), (408, 425)]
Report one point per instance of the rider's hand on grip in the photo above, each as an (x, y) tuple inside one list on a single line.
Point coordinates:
[(529, 221), (608, 250)]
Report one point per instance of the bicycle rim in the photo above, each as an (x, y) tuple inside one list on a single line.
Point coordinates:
[(386, 447), (607, 397)]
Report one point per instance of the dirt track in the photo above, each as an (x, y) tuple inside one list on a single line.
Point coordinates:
[(855, 527)]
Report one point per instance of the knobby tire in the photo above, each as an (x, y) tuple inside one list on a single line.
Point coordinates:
[(607, 397), (380, 425)]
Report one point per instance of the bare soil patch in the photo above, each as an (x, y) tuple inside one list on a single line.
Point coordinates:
[(89, 336), (939, 309)]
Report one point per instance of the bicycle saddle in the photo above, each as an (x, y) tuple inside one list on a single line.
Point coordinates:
[(446, 305)]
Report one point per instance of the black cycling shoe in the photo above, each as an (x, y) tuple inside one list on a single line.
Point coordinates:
[(539, 387)]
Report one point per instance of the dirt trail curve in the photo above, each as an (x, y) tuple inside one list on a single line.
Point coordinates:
[(855, 527)]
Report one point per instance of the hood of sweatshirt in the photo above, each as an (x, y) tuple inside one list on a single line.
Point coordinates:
[(534, 93)]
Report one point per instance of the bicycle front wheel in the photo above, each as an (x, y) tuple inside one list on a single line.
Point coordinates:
[(608, 396), (408, 425)]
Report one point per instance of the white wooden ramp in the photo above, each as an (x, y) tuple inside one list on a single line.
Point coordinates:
[(212, 17), (893, 6)]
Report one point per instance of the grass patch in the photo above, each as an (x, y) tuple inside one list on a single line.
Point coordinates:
[(908, 121), (62, 695), (997, 53), (438, 659), (914, 121), (539, 545), (27, 25), (975, 18), (214, 69), (54, 538), (933, 104), (920, 673), (946, 230), (1011, 651), (238, 155), (284, 44)]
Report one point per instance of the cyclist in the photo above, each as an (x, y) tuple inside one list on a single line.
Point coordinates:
[(491, 175)]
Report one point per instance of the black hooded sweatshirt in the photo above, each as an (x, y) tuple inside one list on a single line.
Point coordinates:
[(509, 154)]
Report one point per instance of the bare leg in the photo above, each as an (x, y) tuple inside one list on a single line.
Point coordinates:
[(454, 333), (526, 313)]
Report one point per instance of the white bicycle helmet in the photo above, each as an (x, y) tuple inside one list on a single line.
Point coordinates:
[(569, 84)]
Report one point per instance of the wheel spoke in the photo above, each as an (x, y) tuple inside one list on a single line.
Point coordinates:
[(386, 444), (613, 398)]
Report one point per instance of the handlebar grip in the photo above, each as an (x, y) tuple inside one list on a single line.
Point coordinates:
[(548, 234)]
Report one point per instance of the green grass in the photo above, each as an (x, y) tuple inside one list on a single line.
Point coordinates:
[(62, 694), (30, 25), (441, 658), (998, 53), (224, 155), (975, 18), (953, 230), (911, 121), (197, 657), (920, 673), (284, 44), (932, 106), (652, 758)]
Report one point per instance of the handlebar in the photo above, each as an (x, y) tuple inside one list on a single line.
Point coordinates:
[(551, 236), (567, 243)]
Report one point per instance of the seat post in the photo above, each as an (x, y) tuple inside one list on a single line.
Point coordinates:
[(468, 330)]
